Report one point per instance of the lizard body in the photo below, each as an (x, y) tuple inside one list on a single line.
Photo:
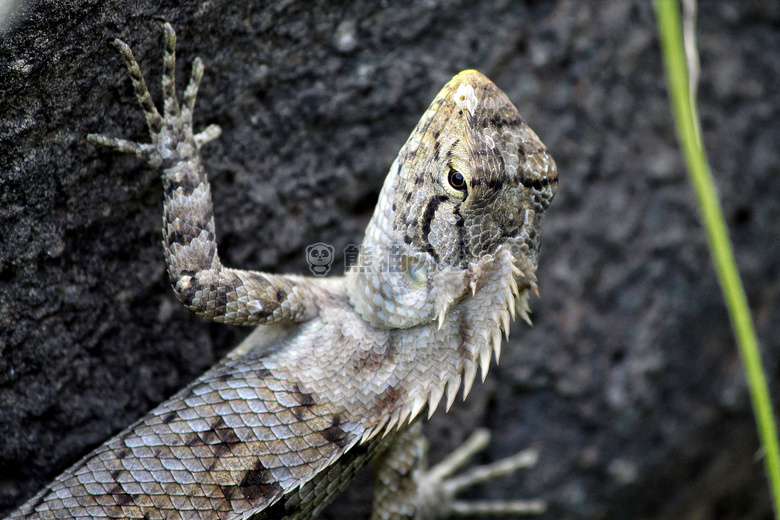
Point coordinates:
[(339, 368)]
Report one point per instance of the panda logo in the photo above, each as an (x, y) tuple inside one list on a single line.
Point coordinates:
[(320, 258)]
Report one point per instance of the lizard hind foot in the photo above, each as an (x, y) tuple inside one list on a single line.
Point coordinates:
[(438, 487)]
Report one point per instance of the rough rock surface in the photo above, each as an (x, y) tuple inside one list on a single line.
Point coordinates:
[(629, 383)]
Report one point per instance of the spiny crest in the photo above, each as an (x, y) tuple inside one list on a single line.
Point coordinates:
[(484, 317)]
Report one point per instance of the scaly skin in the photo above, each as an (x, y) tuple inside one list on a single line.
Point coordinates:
[(342, 366)]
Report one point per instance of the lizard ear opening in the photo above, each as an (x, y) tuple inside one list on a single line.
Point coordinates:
[(415, 271)]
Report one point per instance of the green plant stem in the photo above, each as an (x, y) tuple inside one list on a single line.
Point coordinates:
[(668, 17)]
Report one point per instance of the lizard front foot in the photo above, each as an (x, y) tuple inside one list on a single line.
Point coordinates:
[(438, 488), (171, 132)]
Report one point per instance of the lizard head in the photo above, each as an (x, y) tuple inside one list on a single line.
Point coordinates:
[(471, 180), (476, 175)]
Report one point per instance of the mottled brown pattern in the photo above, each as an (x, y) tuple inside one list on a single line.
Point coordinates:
[(258, 483), (335, 434), (387, 399)]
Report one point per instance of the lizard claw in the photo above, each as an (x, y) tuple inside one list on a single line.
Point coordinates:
[(437, 488)]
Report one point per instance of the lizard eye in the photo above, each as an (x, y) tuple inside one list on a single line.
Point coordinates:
[(456, 179)]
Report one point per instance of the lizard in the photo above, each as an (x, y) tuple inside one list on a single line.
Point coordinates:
[(339, 369)]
